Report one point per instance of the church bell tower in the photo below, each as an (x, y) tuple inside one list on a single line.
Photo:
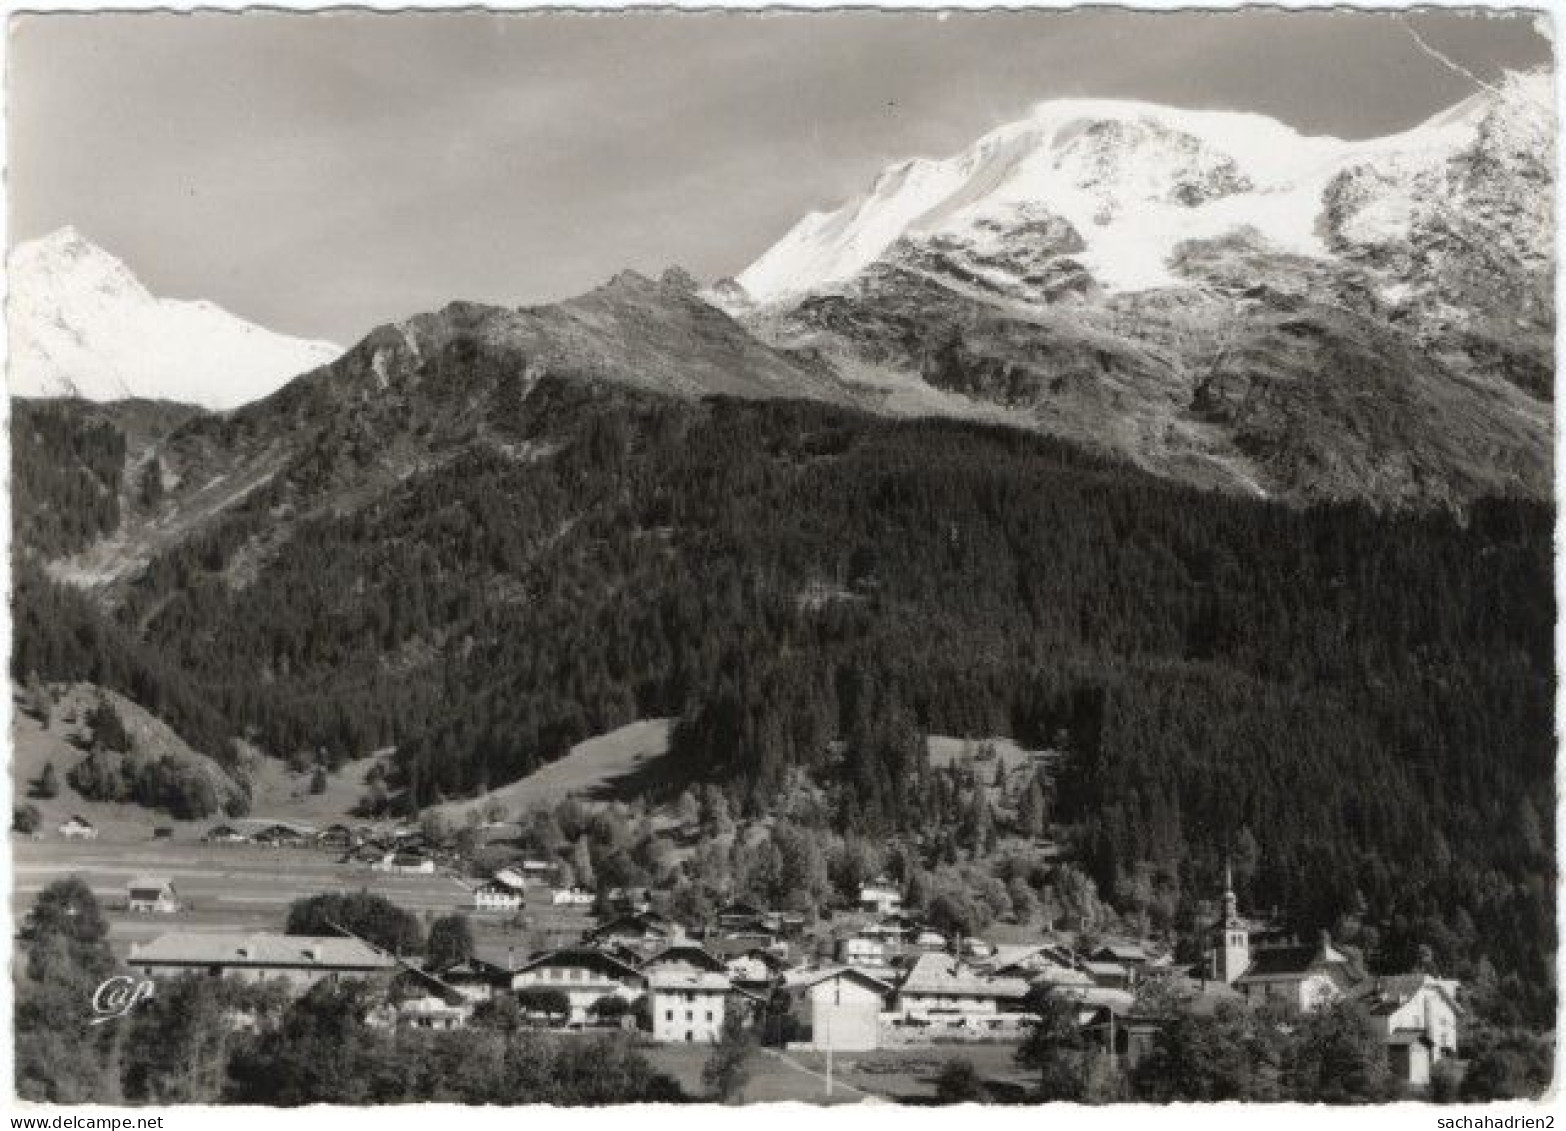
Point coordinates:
[(1231, 952)]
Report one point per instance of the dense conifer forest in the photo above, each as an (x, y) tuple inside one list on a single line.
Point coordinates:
[(809, 590)]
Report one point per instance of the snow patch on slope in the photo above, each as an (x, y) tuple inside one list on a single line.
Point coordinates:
[(82, 325)]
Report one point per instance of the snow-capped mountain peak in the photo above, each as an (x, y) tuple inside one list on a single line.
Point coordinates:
[(82, 324), (1132, 179)]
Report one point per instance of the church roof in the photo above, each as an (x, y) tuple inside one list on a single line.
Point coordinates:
[(1292, 961)]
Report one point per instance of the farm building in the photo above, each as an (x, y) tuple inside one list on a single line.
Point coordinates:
[(153, 894), (300, 961), (226, 834), (941, 984)]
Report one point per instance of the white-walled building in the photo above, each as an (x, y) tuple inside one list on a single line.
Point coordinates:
[(152, 894), (502, 892), (1416, 1015), (881, 897), (688, 1006), (860, 951), (841, 1005), (584, 975)]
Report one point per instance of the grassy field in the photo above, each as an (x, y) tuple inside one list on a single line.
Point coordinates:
[(774, 1077), (908, 1075), (896, 1075), (591, 768), (276, 791), (243, 887)]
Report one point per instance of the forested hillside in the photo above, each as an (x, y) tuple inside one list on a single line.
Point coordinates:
[(809, 588)]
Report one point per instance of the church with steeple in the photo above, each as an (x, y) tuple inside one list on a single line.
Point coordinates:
[(1229, 954)]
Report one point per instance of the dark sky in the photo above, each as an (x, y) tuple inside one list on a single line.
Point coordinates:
[(323, 174)]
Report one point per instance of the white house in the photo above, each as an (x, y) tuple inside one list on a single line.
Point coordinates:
[(410, 863), (841, 1005), (584, 975), (687, 1005), (881, 897), (78, 828), (153, 894), (1417, 1016), (502, 892), (860, 951)]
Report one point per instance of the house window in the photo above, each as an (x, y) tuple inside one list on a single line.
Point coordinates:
[(668, 1015), (709, 1015), (690, 1015)]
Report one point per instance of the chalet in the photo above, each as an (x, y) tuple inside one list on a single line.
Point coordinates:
[(297, 961), (584, 975), (641, 926), (78, 828), (1039, 965), (279, 834), (1417, 1018), (1128, 955), (433, 1012), (337, 837), (687, 1005), (571, 897), (860, 951), (754, 969), (153, 894), (841, 1006), (1128, 1037), (741, 916), (632, 901), (406, 861), (1109, 975), (687, 956), (881, 897), (501, 892), (225, 834), (941, 984), (886, 931)]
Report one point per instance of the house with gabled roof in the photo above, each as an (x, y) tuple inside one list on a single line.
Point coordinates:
[(687, 1006), (1417, 1017), (840, 1005), (77, 827), (683, 954), (298, 961), (152, 894), (583, 974), (943, 984), (636, 926)]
